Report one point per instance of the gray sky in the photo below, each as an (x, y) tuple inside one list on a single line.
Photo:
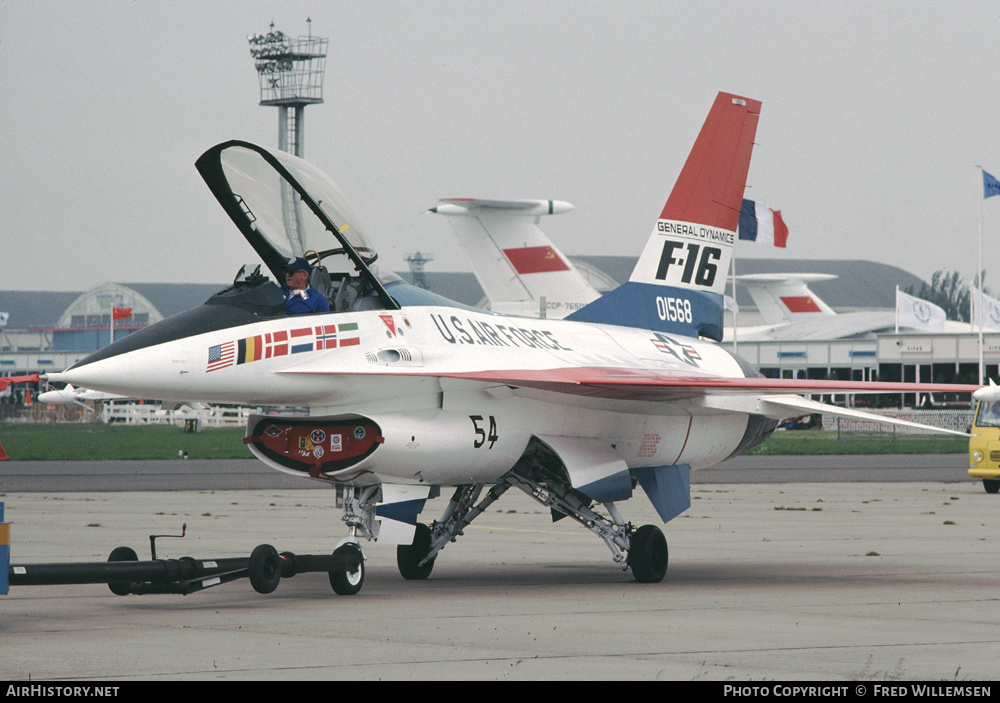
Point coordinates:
[(874, 118)]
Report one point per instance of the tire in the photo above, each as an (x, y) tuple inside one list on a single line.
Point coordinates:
[(122, 554), (408, 556), (648, 555), (264, 568), (991, 485), (348, 583)]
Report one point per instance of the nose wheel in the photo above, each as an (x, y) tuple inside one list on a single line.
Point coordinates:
[(348, 583)]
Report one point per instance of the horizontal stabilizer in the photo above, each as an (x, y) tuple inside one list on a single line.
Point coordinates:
[(476, 206), (797, 405)]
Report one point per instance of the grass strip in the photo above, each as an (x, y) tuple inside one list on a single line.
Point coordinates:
[(85, 442)]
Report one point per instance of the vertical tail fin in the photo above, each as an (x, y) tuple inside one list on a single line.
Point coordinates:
[(516, 264), (677, 285), (784, 297)]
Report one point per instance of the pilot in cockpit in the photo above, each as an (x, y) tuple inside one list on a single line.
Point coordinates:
[(300, 297)]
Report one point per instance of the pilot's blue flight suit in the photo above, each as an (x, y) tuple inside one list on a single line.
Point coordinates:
[(296, 304)]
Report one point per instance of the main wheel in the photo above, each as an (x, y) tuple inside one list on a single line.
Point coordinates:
[(648, 554), (264, 568), (991, 485), (122, 554), (408, 556), (348, 583)]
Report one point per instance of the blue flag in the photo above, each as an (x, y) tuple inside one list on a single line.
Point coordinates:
[(991, 186)]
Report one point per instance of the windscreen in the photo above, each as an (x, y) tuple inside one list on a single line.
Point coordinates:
[(988, 414)]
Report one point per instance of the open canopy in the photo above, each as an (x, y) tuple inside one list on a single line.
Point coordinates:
[(287, 208)]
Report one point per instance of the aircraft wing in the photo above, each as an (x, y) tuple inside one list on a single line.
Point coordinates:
[(800, 405), (775, 398)]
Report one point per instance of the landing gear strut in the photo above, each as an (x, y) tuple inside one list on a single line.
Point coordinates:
[(644, 550), (416, 561), (359, 515)]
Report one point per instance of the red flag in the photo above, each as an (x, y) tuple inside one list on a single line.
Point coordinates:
[(121, 313), (535, 260), (8, 380)]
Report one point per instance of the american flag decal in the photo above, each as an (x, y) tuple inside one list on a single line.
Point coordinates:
[(220, 356)]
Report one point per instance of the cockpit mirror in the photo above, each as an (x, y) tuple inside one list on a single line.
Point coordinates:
[(249, 274)]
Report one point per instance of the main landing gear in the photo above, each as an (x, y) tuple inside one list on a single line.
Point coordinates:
[(643, 549)]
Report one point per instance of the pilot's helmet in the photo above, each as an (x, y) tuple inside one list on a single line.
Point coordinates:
[(298, 264)]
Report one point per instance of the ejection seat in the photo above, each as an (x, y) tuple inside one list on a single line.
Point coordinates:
[(354, 293), (320, 280)]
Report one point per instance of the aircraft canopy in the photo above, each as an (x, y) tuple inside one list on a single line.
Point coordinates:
[(287, 208)]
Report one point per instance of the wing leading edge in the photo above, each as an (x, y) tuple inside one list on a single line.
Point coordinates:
[(776, 398)]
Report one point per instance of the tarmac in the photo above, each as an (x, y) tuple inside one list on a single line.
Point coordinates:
[(790, 581)]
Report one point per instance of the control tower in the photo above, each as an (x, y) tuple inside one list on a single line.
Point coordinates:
[(290, 73)]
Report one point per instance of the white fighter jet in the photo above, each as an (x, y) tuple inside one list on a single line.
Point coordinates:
[(410, 393)]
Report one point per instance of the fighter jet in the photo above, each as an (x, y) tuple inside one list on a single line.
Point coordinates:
[(410, 394)]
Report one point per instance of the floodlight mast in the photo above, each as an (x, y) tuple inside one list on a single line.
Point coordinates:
[(417, 262), (290, 74)]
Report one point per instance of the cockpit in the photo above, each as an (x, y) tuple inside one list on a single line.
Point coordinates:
[(287, 208)]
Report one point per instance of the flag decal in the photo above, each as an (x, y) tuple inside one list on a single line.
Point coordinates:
[(282, 343), (800, 303), (542, 259)]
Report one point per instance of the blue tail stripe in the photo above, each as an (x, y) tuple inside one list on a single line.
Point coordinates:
[(657, 307)]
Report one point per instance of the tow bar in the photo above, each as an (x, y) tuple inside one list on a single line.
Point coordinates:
[(126, 575)]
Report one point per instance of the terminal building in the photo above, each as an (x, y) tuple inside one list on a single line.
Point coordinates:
[(50, 331)]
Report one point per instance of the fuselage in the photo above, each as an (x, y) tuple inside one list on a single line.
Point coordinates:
[(423, 374)]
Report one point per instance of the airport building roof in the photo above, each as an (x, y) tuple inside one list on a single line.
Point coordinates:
[(859, 285)]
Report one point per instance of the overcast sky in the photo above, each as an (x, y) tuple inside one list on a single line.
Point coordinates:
[(874, 118)]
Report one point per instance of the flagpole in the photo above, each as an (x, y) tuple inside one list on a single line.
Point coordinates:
[(979, 274), (732, 265)]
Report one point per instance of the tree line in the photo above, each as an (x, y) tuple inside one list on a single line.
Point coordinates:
[(950, 291)]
